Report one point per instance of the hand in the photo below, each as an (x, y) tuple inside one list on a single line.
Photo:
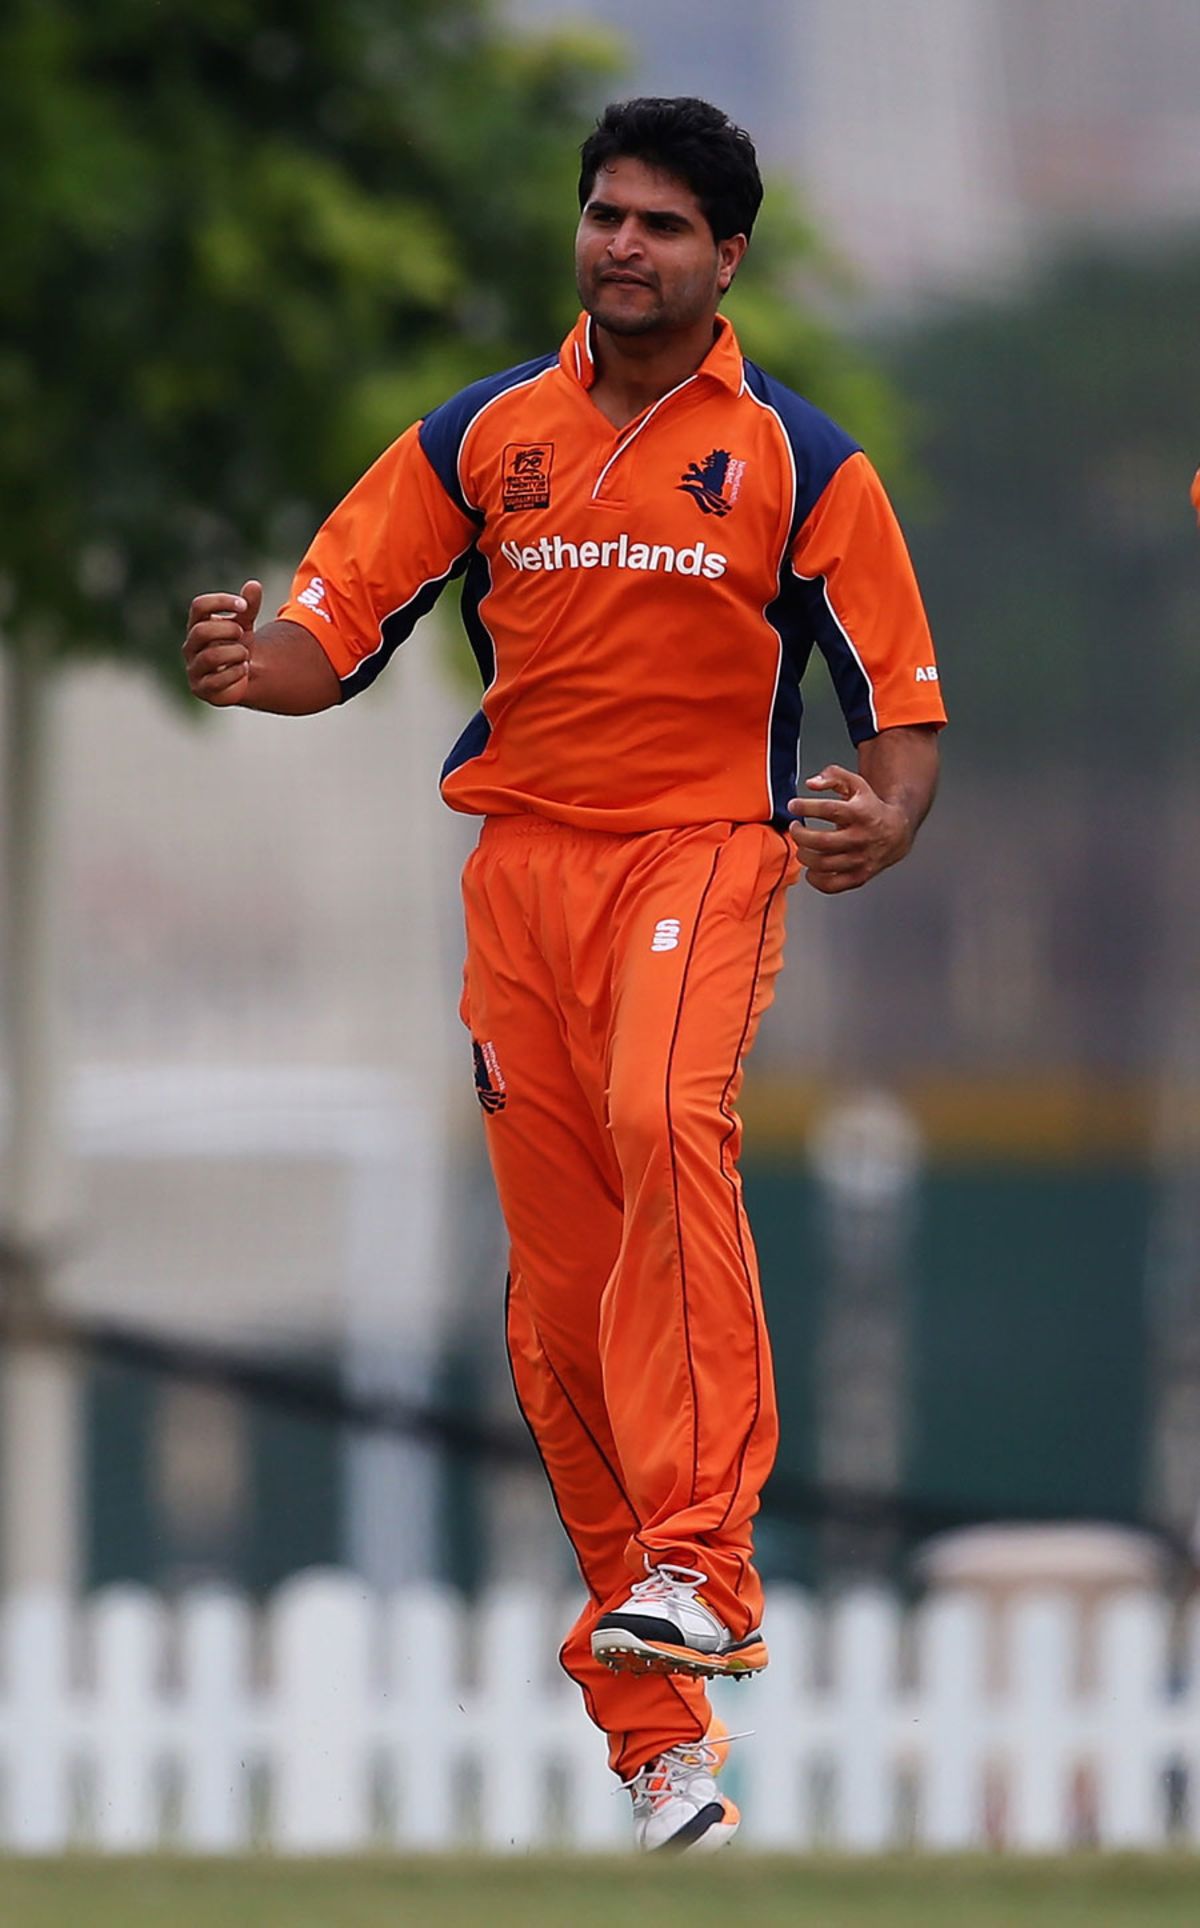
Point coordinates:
[(868, 834), (216, 651)]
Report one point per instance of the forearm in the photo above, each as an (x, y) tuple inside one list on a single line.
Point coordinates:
[(901, 766), (290, 674)]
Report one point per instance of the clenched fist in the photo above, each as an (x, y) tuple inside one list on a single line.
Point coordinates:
[(216, 651), (863, 833)]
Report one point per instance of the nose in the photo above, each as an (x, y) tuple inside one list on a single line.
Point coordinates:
[(627, 241)]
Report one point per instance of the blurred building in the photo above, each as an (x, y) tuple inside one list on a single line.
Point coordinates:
[(950, 142), (265, 947), (947, 143)]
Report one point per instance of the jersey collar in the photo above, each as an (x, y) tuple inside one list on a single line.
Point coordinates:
[(723, 360)]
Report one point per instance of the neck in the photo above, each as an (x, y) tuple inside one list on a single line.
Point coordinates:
[(635, 371)]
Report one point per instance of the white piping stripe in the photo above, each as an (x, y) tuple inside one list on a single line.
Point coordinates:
[(787, 443), (443, 578), (771, 798), (845, 634), (646, 419), (495, 676), (848, 640), (479, 412), (746, 389)]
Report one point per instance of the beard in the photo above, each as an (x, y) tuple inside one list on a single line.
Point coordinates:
[(647, 323), (609, 309), (652, 312)]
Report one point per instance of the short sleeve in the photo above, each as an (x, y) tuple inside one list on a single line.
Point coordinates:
[(379, 563), (864, 605)]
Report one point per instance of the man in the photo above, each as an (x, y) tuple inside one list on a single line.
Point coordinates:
[(652, 534)]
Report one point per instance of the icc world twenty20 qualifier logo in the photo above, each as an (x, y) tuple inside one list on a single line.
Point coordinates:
[(526, 475)]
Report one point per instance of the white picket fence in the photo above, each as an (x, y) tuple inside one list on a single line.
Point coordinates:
[(332, 1722)]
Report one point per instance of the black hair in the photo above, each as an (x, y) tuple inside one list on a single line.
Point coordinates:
[(690, 139)]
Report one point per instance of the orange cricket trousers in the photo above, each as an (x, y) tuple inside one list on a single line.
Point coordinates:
[(613, 988)]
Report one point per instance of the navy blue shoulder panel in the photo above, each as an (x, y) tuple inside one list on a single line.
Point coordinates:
[(442, 431), (799, 614), (819, 446)]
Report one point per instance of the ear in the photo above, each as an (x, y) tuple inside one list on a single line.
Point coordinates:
[(729, 258)]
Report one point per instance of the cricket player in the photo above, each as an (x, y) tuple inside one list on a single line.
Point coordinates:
[(652, 535)]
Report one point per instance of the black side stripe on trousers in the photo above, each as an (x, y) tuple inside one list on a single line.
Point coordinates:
[(537, 1446), (733, 1186), (611, 1471), (687, 1329)]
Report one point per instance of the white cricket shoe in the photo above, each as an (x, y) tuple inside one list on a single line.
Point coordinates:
[(677, 1805), (665, 1628)]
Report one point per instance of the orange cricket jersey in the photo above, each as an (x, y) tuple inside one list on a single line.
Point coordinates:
[(642, 602)]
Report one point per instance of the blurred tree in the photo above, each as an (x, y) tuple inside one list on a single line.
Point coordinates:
[(246, 244), (1058, 554)]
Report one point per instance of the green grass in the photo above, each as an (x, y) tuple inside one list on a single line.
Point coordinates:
[(745, 1891)]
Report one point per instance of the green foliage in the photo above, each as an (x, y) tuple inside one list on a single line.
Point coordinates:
[(778, 303), (248, 242), (1058, 549)]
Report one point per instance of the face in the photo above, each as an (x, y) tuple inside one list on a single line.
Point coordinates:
[(645, 257)]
